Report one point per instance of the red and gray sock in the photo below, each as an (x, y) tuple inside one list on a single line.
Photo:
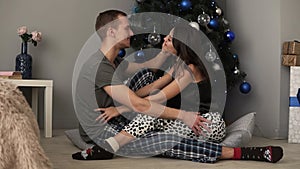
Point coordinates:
[(269, 154), (94, 153)]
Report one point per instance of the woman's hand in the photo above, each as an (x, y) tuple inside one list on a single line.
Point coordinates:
[(196, 122), (107, 114)]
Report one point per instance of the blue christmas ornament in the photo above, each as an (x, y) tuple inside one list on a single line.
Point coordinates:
[(213, 24), (229, 36), (213, 4), (140, 53), (235, 56), (245, 87), (140, 56), (185, 5), (135, 9), (122, 53)]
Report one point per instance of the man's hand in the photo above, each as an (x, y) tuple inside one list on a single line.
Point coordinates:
[(107, 114), (196, 122)]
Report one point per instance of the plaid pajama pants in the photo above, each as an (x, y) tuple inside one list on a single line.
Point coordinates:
[(159, 143)]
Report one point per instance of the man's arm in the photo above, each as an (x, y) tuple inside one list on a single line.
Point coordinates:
[(167, 92), (122, 94), (144, 91)]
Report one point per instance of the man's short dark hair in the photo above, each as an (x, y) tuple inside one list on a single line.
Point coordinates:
[(104, 18)]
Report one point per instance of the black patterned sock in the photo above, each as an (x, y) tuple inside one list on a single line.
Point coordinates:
[(269, 154), (93, 153)]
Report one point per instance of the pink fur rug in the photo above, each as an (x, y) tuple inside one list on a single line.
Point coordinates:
[(19, 132)]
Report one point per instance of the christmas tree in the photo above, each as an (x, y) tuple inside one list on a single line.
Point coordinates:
[(204, 15)]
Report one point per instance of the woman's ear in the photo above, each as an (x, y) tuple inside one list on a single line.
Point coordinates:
[(192, 67)]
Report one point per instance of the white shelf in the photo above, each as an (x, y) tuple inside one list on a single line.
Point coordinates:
[(48, 94)]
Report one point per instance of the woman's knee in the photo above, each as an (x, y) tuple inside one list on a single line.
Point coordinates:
[(217, 127)]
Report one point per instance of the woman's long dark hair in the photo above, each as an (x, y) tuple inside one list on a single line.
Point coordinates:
[(182, 37)]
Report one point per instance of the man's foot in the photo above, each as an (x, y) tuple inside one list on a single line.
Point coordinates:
[(270, 154), (273, 154), (94, 153)]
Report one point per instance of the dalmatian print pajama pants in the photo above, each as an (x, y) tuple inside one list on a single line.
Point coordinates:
[(143, 124)]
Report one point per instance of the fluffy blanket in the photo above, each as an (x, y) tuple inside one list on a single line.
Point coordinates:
[(19, 133)]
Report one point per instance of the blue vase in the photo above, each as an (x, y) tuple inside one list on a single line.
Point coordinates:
[(24, 62)]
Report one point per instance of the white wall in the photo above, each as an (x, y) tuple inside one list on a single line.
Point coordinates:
[(261, 26), (66, 25)]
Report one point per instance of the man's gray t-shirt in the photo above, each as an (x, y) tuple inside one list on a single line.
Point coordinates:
[(96, 73)]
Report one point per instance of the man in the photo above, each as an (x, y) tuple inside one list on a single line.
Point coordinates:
[(114, 31), (99, 84)]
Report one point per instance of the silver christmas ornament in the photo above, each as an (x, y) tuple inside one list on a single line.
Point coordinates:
[(218, 11), (210, 55), (154, 38), (236, 71), (225, 21), (194, 25), (203, 19), (216, 67)]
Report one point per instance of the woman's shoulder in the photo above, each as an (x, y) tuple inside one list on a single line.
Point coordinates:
[(204, 82)]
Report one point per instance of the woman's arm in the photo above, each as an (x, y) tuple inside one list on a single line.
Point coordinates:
[(155, 62), (156, 85)]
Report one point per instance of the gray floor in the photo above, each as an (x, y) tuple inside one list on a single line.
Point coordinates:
[(59, 150)]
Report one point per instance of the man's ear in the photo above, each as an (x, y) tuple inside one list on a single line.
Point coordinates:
[(111, 32)]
